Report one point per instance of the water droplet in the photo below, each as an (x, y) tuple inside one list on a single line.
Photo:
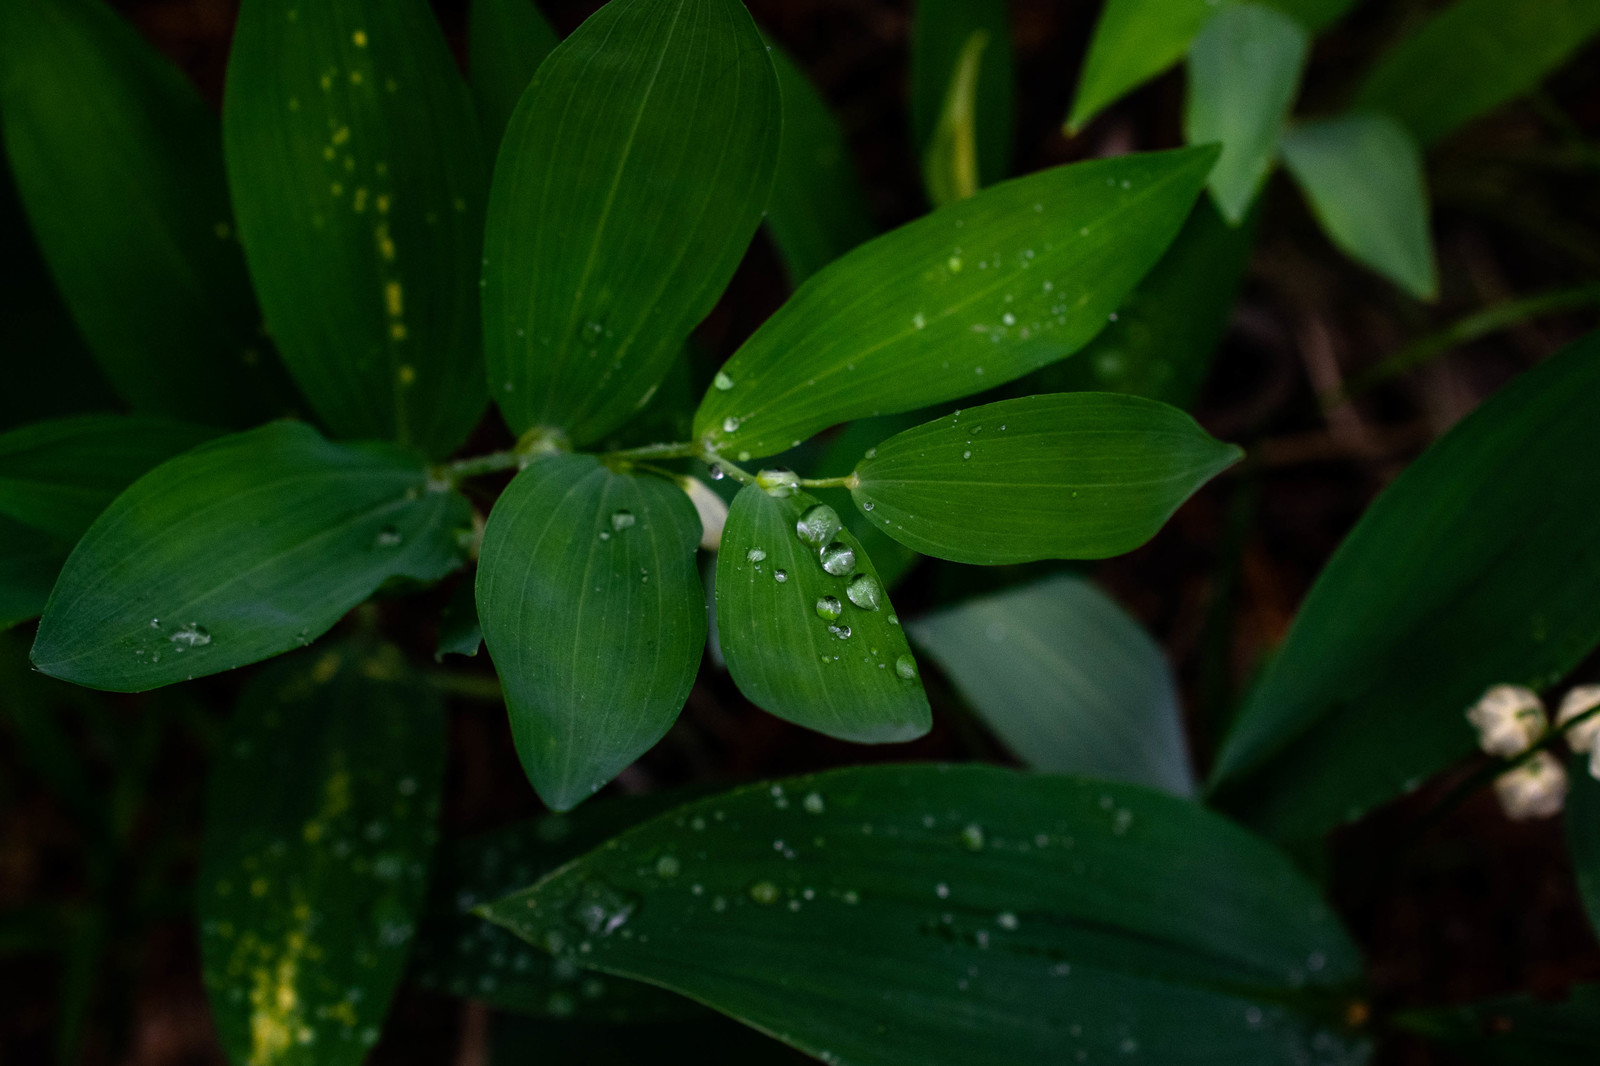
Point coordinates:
[(966, 454), (840, 631), (829, 608), (780, 576), (668, 866), (941, 890), (778, 482), (190, 636), (755, 555), (717, 473), (388, 537), (730, 424), (972, 834), (954, 263), (621, 520), (818, 525), (919, 320), (764, 893), (814, 803), (865, 592), (838, 559), (1009, 319), (723, 382), (906, 667), (1006, 920)]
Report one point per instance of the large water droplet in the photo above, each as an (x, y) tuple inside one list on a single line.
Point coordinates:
[(865, 592), (755, 555), (818, 525), (621, 520), (778, 482), (730, 424), (838, 559), (839, 630), (190, 636), (722, 381), (829, 607), (906, 667), (780, 576)]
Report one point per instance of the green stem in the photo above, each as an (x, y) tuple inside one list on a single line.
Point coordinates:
[(679, 450), (467, 686), (849, 481), (476, 466), (729, 467)]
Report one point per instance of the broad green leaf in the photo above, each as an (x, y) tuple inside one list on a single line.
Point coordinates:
[(1166, 332), (978, 293), (631, 179), (806, 627), (1244, 75), (955, 915), (1473, 56), (29, 563), (943, 54), (1583, 840), (893, 559), (1477, 566), (352, 147), (506, 41), (950, 162), (1519, 1031), (459, 631), (1069, 681), (244, 548), (119, 163), (320, 820), (1362, 175), (58, 476), (818, 210), (1075, 475), (593, 614)]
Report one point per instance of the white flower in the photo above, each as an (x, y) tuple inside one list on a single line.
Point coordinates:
[(1536, 789), (1509, 720), (710, 507), (1581, 737), (1594, 763)]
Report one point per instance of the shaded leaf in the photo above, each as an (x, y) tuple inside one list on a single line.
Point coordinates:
[(244, 548), (593, 614), (506, 41), (29, 563), (1477, 566), (459, 631), (960, 914), (1075, 475), (352, 144), (893, 559), (320, 821), (1068, 681), (806, 627), (631, 179), (1516, 1032), (1583, 840), (943, 54), (978, 293)]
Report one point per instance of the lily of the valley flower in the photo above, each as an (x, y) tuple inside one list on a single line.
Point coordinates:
[(1509, 719), (1535, 789), (1585, 736)]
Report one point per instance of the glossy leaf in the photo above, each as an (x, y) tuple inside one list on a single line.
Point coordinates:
[(893, 559), (819, 647), (1473, 56), (1362, 176), (818, 210), (978, 293), (320, 820), (943, 55), (29, 563), (352, 145), (1583, 840), (960, 915), (506, 41), (1244, 75), (1519, 1031), (1477, 566), (1069, 682), (591, 281), (593, 614), (244, 548), (1076, 475), (459, 631), (119, 163)]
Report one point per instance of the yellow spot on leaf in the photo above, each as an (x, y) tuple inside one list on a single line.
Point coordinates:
[(258, 887), (328, 153), (383, 205), (355, 77), (341, 135), (394, 298), (360, 38), (360, 199), (385, 244), (398, 331), (407, 374), (326, 667), (336, 189)]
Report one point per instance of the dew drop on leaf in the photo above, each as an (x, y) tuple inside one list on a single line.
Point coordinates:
[(829, 607), (865, 592), (838, 559), (818, 525), (906, 667)]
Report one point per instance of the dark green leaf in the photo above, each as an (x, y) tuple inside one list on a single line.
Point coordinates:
[(591, 282), (29, 563), (978, 293), (1477, 566), (1583, 840), (1244, 75), (1516, 1032), (352, 145), (1474, 56), (818, 210), (506, 41), (594, 616), (1069, 682), (119, 164), (1075, 475), (950, 162), (459, 631), (320, 821), (1362, 175), (818, 646), (961, 915), (244, 548), (893, 559), (943, 54)]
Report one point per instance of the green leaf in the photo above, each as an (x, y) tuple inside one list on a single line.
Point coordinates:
[(960, 915), (1583, 840), (820, 647), (352, 145), (893, 559), (29, 563), (1519, 1031), (1362, 175), (978, 293), (1244, 75), (593, 613), (58, 476), (244, 548), (459, 631), (506, 41), (119, 163), (1477, 566), (1075, 475), (943, 54), (320, 820), (1473, 56), (591, 283), (1068, 681), (950, 162), (818, 210)]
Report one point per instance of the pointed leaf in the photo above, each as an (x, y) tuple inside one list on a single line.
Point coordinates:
[(1477, 566), (593, 614), (978, 293), (352, 145), (943, 55), (1075, 475), (320, 820), (950, 163), (244, 548), (1519, 1031), (1362, 175), (819, 647), (506, 42), (961, 915), (119, 164), (1583, 840), (632, 177), (1070, 682)]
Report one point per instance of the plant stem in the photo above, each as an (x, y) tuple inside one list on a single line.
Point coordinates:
[(679, 450), (849, 481), (476, 466), (467, 686)]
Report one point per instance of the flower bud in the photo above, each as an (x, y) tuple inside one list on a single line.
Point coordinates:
[(1509, 720), (1536, 789), (710, 507), (1576, 703)]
